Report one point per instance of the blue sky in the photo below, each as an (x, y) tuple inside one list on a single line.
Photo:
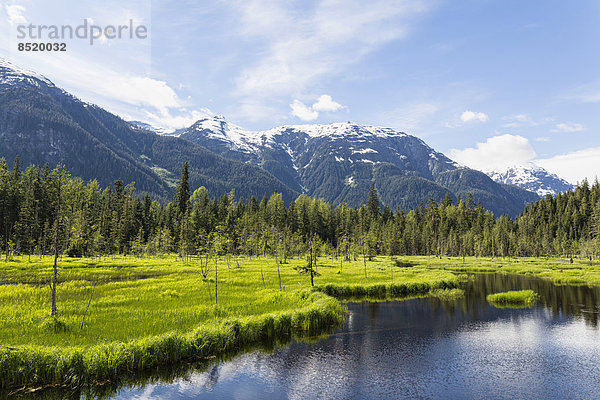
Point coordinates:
[(489, 83)]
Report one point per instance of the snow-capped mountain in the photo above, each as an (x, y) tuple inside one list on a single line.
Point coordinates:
[(152, 128), (41, 123), (10, 74), (531, 177), (339, 161)]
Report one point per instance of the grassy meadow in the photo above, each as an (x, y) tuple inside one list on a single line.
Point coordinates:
[(146, 312), (139, 297)]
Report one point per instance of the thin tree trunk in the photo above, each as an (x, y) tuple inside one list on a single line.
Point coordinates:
[(311, 263), (262, 276), (284, 248), (363, 254), (55, 267), (88, 306), (278, 272), (216, 268)]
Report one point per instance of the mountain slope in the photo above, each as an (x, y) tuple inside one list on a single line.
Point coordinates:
[(42, 123), (531, 177), (339, 161)]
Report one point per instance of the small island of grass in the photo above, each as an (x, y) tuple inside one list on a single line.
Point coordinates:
[(447, 294), (513, 298)]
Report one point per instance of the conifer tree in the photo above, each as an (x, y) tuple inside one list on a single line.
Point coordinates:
[(182, 195)]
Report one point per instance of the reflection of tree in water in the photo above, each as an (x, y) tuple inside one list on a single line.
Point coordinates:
[(563, 301), (212, 377), (373, 311)]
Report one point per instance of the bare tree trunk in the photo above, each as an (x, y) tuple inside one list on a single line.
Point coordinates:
[(311, 263), (277, 261), (284, 247), (88, 306), (216, 259), (363, 254), (55, 268)]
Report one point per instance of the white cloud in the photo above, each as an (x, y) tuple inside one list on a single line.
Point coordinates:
[(568, 127), (519, 121), (15, 14), (496, 152), (174, 119), (302, 111), (301, 46), (309, 113), (508, 150), (409, 117), (588, 93), (574, 166), (469, 116), (326, 104), (128, 94)]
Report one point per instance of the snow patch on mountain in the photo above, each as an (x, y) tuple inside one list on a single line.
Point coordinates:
[(10, 74), (339, 129), (364, 151), (151, 128), (531, 177)]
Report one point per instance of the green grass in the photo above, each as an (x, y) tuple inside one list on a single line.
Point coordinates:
[(448, 294), (513, 298), (77, 365), (558, 270), (163, 307)]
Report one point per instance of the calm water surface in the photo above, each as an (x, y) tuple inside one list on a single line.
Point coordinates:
[(424, 348)]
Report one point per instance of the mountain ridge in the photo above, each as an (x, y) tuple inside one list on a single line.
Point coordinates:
[(339, 161), (336, 162)]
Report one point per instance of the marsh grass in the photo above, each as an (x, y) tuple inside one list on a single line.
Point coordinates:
[(513, 298), (447, 294), (150, 312)]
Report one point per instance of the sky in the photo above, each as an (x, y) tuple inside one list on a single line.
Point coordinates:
[(489, 83)]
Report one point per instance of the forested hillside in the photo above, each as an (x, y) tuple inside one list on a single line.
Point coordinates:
[(40, 207), (41, 123)]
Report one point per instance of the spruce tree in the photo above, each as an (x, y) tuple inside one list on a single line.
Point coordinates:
[(183, 189), (373, 202)]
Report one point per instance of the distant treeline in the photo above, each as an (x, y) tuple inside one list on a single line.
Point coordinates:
[(43, 208)]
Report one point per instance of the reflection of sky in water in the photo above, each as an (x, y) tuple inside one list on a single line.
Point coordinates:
[(422, 348)]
